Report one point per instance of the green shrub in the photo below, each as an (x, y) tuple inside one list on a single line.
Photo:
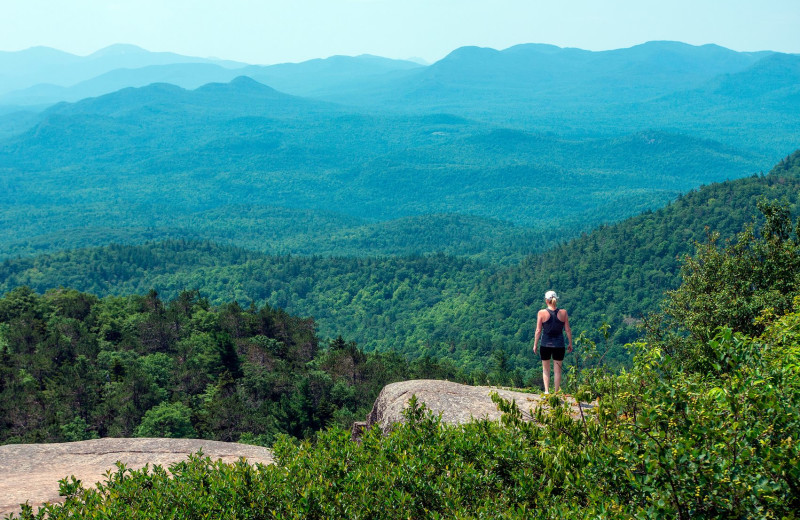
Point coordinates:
[(171, 420), (662, 442)]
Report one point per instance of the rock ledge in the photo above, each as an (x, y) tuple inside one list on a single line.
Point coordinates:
[(30, 472), (456, 402)]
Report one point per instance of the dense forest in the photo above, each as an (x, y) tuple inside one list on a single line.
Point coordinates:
[(437, 305), (76, 367), (704, 424)]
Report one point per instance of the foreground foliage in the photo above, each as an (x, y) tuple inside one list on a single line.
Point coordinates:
[(662, 442), (708, 435)]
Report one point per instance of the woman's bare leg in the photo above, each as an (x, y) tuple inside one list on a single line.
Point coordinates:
[(546, 375), (557, 374)]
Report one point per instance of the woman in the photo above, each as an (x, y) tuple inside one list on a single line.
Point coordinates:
[(552, 321)]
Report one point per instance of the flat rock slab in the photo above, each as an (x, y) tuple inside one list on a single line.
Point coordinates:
[(457, 403), (30, 472)]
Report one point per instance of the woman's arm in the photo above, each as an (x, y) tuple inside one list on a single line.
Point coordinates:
[(567, 329), (538, 330)]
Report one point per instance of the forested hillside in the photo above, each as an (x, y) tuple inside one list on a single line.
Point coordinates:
[(437, 305), (704, 423), (277, 230), (75, 367)]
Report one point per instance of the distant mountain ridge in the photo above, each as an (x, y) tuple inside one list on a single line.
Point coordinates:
[(43, 65), (185, 75), (638, 73), (41, 76), (575, 93)]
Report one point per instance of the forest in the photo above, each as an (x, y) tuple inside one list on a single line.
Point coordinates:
[(241, 160), (76, 367), (704, 424), (437, 305)]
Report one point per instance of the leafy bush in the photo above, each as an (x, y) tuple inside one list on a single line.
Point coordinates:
[(171, 420), (742, 285)]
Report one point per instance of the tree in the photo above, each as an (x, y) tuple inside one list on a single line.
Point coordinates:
[(171, 420), (742, 285)]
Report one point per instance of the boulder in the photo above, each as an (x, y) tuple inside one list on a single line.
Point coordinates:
[(455, 402), (30, 472)]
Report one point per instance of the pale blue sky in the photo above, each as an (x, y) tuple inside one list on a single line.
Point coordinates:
[(266, 31)]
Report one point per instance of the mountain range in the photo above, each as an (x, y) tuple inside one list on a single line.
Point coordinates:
[(571, 92), (486, 156), (104, 163), (46, 66), (41, 76)]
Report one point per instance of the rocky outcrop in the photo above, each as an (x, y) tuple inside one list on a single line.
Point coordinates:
[(455, 402), (30, 472)]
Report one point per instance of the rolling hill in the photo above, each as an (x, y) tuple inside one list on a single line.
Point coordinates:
[(165, 158), (436, 305), (46, 66), (303, 79)]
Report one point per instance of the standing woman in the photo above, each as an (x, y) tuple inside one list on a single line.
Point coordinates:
[(550, 326)]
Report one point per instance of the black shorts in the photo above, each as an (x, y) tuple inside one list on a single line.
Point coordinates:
[(557, 353)]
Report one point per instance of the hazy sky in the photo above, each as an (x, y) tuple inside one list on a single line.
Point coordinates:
[(267, 31)]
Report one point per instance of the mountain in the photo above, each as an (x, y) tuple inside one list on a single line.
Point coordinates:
[(315, 78), (774, 77), (43, 65), (703, 91), (185, 75), (103, 163), (754, 109), (485, 134), (240, 97), (579, 93), (304, 78), (539, 73)]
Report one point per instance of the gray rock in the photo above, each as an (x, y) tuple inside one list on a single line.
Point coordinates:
[(455, 402), (30, 472)]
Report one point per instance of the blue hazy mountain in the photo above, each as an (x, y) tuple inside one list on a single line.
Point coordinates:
[(185, 75), (546, 73), (316, 78), (43, 65), (705, 91), (242, 96), (577, 93), (135, 67), (776, 78)]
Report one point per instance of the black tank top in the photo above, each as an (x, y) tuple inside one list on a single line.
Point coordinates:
[(553, 331)]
